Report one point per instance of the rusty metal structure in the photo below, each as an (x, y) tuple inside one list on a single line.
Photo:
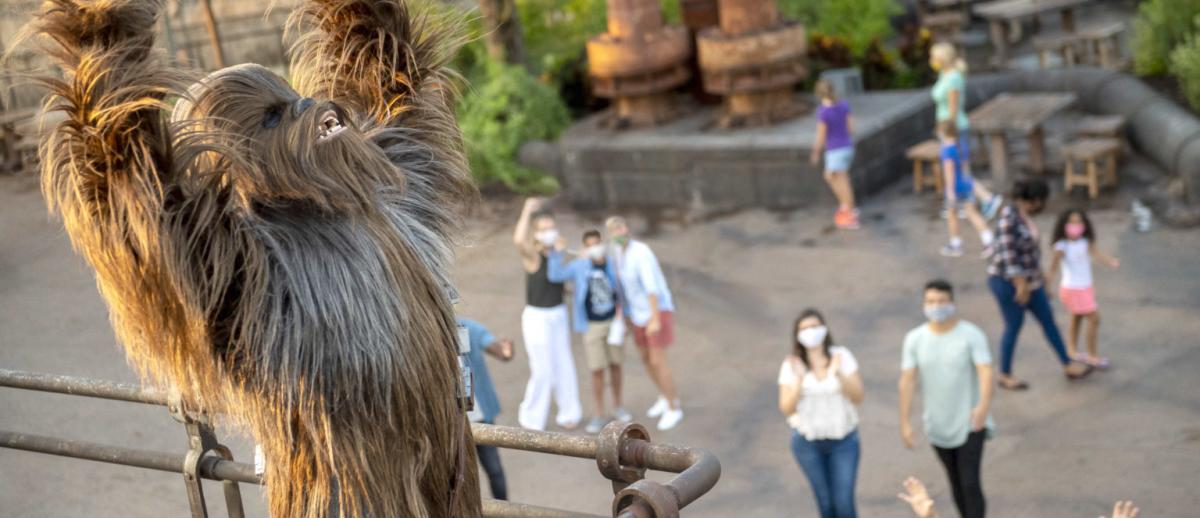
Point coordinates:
[(753, 58), (623, 454), (638, 62)]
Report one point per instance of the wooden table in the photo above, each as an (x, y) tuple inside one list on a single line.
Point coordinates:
[(1000, 13), (1021, 113)]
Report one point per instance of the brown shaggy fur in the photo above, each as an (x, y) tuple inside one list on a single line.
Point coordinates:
[(294, 283)]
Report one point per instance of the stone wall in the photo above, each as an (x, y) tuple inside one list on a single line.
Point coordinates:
[(685, 165)]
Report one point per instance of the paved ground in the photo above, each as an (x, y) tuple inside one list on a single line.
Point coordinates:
[(1061, 449)]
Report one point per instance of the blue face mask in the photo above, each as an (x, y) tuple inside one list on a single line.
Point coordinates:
[(939, 313)]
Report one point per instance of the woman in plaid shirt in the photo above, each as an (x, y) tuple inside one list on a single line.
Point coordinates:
[(1016, 280)]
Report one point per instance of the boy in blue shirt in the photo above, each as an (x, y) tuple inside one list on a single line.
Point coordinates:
[(596, 308), (487, 405), (960, 193)]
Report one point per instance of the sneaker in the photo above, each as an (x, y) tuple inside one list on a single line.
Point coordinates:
[(670, 419), (595, 425), (846, 220), (659, 407), (992, 207), (951, 251), (622, 415)]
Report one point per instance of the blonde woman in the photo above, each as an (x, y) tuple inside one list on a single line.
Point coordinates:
[(949, 93)]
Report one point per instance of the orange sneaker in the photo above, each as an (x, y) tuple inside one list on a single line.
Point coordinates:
[(846, 220)]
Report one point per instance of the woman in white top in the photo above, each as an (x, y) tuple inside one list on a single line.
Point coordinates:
[(819, 388)]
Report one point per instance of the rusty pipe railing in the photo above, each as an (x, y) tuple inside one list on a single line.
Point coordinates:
[(623, 452), (211, 468)]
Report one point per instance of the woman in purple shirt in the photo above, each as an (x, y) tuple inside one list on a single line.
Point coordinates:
[(834, 127)]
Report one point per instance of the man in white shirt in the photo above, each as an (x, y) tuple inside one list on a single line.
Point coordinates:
[(650, 311)]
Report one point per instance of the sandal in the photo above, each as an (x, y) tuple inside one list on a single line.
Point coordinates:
[(1086, 372), (1015, 386), (1098, 362)]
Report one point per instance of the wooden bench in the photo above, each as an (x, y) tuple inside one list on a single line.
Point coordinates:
[(945, 23), (928, 152), (1067, 46), (1103, 45), (1091, 151)]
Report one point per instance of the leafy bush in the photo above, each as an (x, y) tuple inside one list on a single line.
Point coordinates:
[(857, 22), (1160, 26), (504, 108), (1185, 66)]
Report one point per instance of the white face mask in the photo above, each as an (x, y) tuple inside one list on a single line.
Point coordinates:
[(938, 313), (812, 337), (595, 252), (547, 237)]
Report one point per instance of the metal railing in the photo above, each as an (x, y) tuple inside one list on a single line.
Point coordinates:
[(623, 453)]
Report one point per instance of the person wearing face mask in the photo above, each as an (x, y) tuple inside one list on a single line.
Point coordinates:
[(819, 388), (951, 358), (650, 311), (545, 325), (596, 309), (1016, 281)]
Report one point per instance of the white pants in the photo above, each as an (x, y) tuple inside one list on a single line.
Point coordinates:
[(547, 334)]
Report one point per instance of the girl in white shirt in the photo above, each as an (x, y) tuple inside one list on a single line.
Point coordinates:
[(1074, 248), (819, 388)]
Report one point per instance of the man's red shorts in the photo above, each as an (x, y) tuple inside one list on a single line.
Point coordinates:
[(663, 338)]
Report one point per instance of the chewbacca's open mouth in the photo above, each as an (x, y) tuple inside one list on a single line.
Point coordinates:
[(329, 126)]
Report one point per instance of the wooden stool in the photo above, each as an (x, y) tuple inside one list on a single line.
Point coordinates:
[(1103, 45), (1066, 45), (929, 152), (1100, 126), (26, 152), (1091, 151)]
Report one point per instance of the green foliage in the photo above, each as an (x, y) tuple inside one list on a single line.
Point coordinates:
[(1185, 66), (504, 108), (857, 22), (1161, 26), (556, 30)]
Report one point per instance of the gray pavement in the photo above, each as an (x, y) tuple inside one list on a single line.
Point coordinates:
[(1061, 449)]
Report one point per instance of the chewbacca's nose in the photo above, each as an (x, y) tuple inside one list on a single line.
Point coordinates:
[(302, 104)]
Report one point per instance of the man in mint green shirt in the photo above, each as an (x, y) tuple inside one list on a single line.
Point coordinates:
[(952, 360)]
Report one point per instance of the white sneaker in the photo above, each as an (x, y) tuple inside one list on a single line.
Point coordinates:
[(659, 407), (670, 419), (622, 415), (595, 425)]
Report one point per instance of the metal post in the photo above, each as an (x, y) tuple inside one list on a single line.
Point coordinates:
[(214, 36)]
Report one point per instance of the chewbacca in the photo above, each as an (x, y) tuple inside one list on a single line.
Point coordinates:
[(277, 254)]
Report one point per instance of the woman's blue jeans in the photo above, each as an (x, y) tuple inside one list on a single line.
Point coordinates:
[(1014, 317), (831, 466)]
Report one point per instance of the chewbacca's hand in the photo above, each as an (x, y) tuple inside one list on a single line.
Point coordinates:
[(100, 23)]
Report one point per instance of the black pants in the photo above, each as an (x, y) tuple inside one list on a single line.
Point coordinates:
[(489, 458), (962, 468)]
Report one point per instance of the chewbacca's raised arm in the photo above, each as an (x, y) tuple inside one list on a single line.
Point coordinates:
[(103, 164), (387, 61)]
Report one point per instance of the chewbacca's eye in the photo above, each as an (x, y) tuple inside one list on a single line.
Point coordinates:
[(273, 117)]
